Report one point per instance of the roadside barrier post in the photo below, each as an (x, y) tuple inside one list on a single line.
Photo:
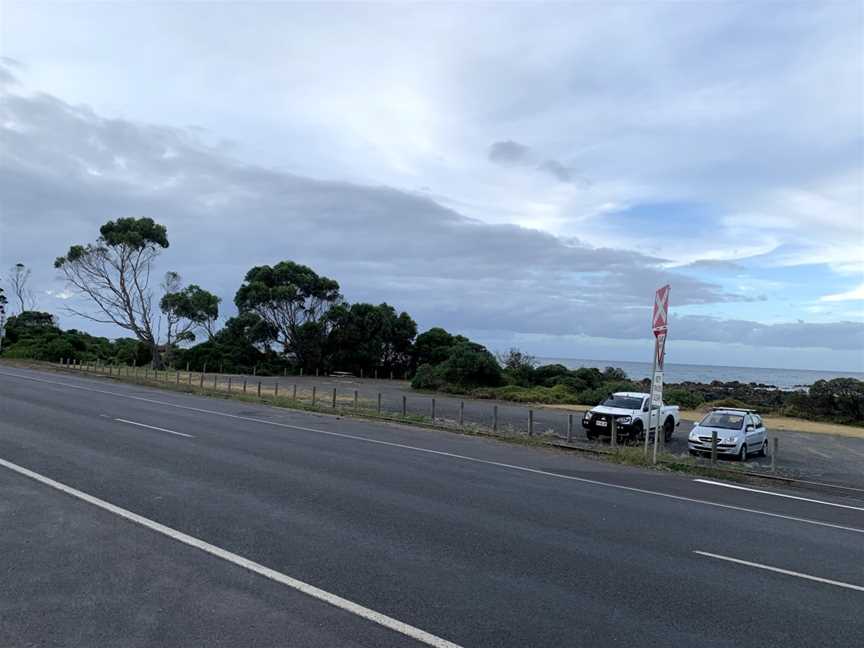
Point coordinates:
[(285, 372), (189, 374), (569, 428), (355, 399), (531, 422), (244, 385), (294, 394), (201, 381), (259, 389), (361, 372), (713, 447), (276, 389), (334, 398), (214, 382), (301, 371), (314, 395), (404, 406), (494, 418), (391, 375), (433, 410), (774, 455), (178, 378), (462, 413), (229, 384), (379, 403), (376, 374), (614, 441), (316, 372)]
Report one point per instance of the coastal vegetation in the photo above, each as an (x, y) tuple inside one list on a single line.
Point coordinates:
[(290, 319)]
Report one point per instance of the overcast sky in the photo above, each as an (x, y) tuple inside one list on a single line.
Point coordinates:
[(525, 174)]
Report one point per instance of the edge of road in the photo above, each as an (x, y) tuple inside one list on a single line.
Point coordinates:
[(622, 455)]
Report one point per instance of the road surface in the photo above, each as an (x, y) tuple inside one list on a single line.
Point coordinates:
[(138, 517)]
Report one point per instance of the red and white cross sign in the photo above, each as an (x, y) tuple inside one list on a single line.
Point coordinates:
[(659, 322), (660, 350)]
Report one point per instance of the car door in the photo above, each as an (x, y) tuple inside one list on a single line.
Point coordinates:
[(752, 433), (760, 428)]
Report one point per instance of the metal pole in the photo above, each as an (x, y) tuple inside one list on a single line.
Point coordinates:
[(355, 399), (530, 422), (244, 385), (229, 384), (214, 382), (334, 398), (379, 402), (404, 406), (178, 378), (461, 413), (713, 447), (259, 389), (276, 389), (614, 441), (651, 396), (201, 381), (294, 393), (433, 409), (569, 428), (494, 418), (314, 395)]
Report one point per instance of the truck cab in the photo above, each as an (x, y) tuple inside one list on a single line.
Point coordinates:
[(630, 411)]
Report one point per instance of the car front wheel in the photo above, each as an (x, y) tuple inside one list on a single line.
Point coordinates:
[(742, 454)]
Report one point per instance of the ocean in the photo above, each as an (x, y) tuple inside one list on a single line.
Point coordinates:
[(674, 373)]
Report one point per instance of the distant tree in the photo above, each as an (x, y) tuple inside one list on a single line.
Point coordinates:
[(295, 302), (187, 310), (3, 302), (366, 336), (19, 276), (433, 346), (114, 274), (518, 366)]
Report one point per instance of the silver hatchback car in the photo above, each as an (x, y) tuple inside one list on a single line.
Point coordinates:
[(740, 433)]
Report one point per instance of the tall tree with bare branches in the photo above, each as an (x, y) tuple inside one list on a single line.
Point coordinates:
[(114, 274), (19, 276)]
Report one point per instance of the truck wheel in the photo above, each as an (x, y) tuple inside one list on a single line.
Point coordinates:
[(668, 428), (638, 431), (590, 434)]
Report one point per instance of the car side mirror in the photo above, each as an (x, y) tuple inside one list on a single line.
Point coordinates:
[(645, 407), (750, 428)]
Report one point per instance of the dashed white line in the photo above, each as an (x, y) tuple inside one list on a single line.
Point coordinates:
[(310, 590), (777, 570), (765, 492), (442, 453), (153, 427)]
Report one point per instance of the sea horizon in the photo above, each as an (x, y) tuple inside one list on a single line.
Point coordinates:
[(704, 373)]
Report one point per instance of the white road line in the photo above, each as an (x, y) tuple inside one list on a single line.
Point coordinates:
[(153, 427), (765, 492), (787, 572), (310, 590), (442, 453)]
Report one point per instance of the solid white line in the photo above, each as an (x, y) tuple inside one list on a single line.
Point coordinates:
[(240, 561), (153, 427), (765, 492), (858, 588), (452, 455)]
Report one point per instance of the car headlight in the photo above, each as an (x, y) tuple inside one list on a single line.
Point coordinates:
[(588, 415), (624, 420), (733, 439)]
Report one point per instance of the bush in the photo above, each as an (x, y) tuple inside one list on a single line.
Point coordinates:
[(684, 398)]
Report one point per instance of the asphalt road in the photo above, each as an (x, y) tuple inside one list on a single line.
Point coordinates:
[(469, 540)]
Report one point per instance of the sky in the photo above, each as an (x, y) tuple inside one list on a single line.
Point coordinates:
[(526, 174)]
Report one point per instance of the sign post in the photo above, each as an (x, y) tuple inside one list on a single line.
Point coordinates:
[(660, 326)]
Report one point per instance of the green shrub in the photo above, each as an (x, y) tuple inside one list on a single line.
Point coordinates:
[(684, 398)]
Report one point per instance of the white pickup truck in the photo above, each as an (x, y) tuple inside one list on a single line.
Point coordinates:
[(630, 411)]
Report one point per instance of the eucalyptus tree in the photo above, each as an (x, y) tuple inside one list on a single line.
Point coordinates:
[(113, 274)]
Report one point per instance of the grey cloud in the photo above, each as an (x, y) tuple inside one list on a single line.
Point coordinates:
[(509, 152), (66, 170), (555, 168)]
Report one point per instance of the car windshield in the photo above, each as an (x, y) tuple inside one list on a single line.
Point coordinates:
[(724, 420), (623, 402)]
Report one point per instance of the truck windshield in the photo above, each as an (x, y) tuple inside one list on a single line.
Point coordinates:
[(723, 420), (623, 402)]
